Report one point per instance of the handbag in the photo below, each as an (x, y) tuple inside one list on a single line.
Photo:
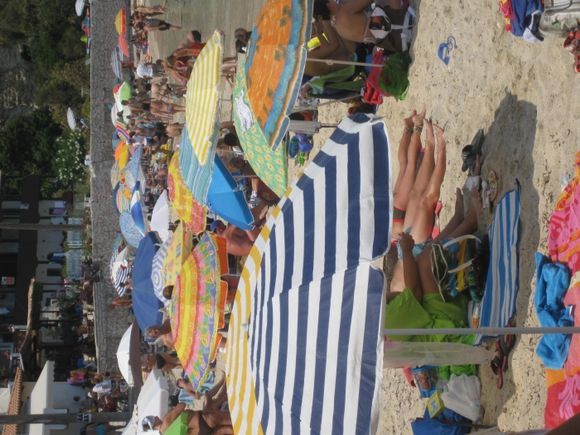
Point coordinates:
[(453, 264)]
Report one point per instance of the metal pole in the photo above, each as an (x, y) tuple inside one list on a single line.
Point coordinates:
[(100, 417), (345, 62), (484, 331)]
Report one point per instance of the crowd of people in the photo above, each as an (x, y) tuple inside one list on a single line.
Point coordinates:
[(340, 32)]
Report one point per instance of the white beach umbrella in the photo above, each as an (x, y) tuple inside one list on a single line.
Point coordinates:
[(153, 400), (80, 6), (160, 216), (129, 356), (71, 119)]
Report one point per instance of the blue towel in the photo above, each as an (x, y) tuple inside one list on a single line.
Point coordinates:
[(552, 281), (448, 423), (523, 11)]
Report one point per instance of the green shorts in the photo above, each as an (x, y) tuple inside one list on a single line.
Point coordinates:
[(405, 311)]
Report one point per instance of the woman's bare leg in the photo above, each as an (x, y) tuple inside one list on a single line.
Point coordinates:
[(425, 217), (423, 176), (402, 152)]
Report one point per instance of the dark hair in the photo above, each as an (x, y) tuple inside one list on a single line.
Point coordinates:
[(240, 46), (321, 10), (196, 35), (230, 139)]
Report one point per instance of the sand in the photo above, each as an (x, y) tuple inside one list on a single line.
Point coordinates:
[(525, 98)]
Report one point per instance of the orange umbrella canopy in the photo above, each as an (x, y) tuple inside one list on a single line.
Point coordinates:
[(121, 21)]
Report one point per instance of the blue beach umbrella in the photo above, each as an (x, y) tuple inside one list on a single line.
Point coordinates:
[(225, 200), (145, 304)]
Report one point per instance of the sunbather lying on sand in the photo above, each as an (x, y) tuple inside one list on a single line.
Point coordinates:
[(418, 303)]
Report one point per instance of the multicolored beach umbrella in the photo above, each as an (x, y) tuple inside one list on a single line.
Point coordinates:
[(271, 165), (197, 148), (121, 21), (197, 309), (304, 348), (191, 213), (178, 250), (274, 65)]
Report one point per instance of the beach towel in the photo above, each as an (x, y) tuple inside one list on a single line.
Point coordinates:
[(552, 280), (563, 398), (520, 14), (572, 299), (564, 224), (502, 282)]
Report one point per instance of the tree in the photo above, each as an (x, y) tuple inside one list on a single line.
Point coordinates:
[(28, 144)]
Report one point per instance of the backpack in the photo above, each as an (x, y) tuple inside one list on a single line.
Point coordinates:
[(457, 267)]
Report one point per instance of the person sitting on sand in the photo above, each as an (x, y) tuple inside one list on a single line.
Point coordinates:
[(193, 37), (155, 24), (238, 242), (162, 333), (332, 45), (162, 361), (386, 26), (149, 70), (242, 37), (413, 297), (211, 420), (419, 304)]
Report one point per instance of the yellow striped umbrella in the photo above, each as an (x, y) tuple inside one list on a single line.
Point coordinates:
[(201, 100), (179, 248), (191, 213)]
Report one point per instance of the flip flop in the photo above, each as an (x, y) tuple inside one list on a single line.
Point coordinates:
[(499, 365), (470, 152), (445, 48)]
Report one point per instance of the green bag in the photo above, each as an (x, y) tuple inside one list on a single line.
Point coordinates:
[(179, 425)]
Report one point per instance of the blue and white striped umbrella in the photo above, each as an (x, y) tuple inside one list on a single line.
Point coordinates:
[(305, 348), (502, 282)]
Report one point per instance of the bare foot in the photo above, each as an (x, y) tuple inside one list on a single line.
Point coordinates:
[(419, 117), (440, 140), (408, 122)]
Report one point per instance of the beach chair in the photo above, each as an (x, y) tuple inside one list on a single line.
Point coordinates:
[(502, 283), (559, 17)]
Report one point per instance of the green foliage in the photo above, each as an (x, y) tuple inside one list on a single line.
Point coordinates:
[(28, 144), (69, 159)]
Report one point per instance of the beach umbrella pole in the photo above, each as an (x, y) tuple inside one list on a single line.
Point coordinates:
[(484, 331), (345, 62)]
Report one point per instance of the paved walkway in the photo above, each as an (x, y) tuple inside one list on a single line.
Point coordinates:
[(109, 325), (205, 16)]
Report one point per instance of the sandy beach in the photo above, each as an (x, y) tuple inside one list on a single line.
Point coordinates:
[(525, 97)]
